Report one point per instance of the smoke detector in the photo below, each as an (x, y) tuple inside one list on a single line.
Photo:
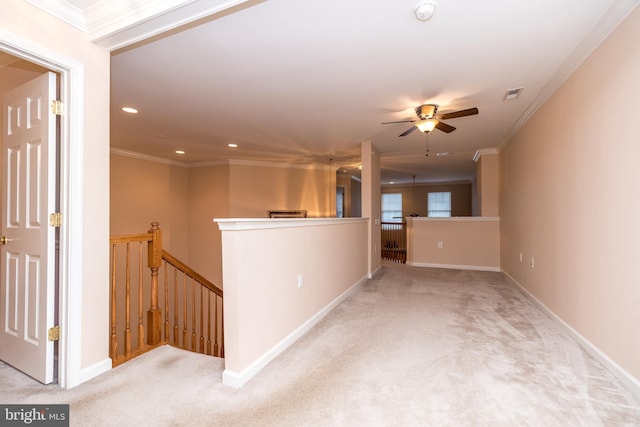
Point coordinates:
[(425, 11)]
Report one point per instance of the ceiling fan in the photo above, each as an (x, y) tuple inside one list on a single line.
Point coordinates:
[(428, 120)]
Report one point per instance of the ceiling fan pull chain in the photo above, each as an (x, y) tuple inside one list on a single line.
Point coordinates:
[(427, 143)]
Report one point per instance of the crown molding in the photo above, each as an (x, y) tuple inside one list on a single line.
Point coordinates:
[(63, 10), (483, 152), (147, 157), (158, 17), (114, 24), (309, 166), (231, 162)]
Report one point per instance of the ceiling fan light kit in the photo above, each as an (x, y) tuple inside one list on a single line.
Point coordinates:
[(426, 125), (425, 11)]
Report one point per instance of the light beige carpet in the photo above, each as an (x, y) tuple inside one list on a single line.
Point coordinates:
[(414, 347)]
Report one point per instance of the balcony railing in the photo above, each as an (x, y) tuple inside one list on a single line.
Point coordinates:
[(394, 241)]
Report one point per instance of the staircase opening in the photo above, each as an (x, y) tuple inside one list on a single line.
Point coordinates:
[(156, 299)]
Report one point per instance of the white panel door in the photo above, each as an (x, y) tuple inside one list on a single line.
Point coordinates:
[(27, 253)]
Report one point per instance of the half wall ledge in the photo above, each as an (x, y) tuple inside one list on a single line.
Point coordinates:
[(265, 223)]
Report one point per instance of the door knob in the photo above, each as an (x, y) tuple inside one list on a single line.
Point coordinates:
[(4, 240)]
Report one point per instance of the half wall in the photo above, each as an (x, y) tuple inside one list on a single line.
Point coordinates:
[(281, 276)]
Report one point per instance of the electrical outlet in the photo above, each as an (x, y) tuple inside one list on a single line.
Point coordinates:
[(440, 245), (300, 281), (533, 263)]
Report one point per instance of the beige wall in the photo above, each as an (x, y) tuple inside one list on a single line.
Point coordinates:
[(256, 189), (569, 182), (414, 198), (16, 74), (265, 308), (209, 197), (461, 243), (89, 278), (488, 184), (144, 191), (185, 201)]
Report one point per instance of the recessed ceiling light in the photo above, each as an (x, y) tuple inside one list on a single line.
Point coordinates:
[(130, 110), (392, 182), (232, 145), (179, 152), (512, 94)]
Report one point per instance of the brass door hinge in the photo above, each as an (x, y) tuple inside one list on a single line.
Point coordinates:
[(56, 107), (54, 333), (55, 219)]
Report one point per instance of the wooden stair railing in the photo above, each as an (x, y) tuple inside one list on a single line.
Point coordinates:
[(394, 241), (174, 291)]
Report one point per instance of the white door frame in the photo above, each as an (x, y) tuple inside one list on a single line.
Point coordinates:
[(72, 90)]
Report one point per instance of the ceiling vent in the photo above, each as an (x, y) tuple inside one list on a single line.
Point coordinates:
[(512, 94)]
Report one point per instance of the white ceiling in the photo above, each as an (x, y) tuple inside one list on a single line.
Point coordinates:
[(302, 82)]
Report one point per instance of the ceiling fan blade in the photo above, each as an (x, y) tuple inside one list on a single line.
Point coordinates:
[(445, 127), (461, 113), (399, 121), (408, 131)]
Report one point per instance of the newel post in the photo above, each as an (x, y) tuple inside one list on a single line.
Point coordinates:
[(154, 318)]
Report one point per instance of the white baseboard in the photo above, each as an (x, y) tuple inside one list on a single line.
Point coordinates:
[(455, 266), (631, 383), (94, 370), (238, 379), (373, 274)]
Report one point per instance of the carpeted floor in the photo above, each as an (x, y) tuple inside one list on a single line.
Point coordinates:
[(414, 347)]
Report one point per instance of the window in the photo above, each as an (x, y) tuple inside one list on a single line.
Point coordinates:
[(439, 204), (392, 207)]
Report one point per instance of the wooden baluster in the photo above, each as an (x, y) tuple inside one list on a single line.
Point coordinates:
[(176, 336), (404, 243), (395, 244), (221, 349), (208, 322), (216, 347), (193, 314), (113, 351), (140, 310), (127, 304), (201, 347), (154, 256), (166, 304), (185, 333)]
